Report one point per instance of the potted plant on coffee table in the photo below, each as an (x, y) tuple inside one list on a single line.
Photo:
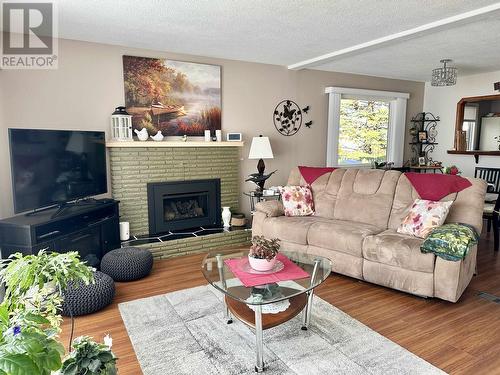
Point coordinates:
[(263, 252)]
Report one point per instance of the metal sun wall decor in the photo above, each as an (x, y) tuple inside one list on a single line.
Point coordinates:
[(288, 117)]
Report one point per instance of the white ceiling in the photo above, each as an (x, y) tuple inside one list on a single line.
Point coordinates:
[(285, 32)]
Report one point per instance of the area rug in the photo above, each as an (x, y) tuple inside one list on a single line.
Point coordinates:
[(185, 332)]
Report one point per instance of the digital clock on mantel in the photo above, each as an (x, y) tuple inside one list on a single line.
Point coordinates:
[(233, 137)]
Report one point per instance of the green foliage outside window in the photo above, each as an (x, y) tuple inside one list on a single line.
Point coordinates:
[(363, 131)]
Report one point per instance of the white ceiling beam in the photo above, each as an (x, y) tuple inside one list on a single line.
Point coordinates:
[(410, 33)]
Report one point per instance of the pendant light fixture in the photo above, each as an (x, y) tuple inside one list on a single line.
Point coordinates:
[(445, 76)]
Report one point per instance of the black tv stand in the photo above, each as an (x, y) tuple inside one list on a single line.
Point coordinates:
[(63, 206), (82, 202), (90, 227)]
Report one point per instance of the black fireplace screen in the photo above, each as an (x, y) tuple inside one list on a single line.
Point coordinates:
[(179, 205)]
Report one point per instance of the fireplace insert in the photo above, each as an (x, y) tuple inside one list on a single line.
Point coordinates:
[(180, 205)]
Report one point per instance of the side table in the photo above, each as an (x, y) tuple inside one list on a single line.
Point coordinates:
[(425, 168)]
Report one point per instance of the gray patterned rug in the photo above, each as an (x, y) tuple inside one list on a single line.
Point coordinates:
[(184, 332)]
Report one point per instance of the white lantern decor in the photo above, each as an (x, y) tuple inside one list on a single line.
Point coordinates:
[(121, 125)]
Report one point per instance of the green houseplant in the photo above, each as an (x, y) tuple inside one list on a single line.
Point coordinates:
[(90, 358), (35, 282), (30, 312), (28, 344), (263, 252)]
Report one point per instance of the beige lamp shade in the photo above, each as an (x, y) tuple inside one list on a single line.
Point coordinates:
[(261, 148)]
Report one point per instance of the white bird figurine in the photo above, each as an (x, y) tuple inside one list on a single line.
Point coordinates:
[(158, 137), (142, 134)]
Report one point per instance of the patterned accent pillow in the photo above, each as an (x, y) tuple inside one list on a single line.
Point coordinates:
[(297, 200), (424, 216)]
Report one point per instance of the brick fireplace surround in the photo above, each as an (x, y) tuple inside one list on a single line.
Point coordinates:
[(133, 165)]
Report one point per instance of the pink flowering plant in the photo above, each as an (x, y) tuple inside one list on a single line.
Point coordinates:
[(263, 248)]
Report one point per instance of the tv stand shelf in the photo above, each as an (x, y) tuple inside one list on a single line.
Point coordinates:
[(90, 229)]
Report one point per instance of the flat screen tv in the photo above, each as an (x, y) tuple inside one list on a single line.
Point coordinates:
[(52, 167)]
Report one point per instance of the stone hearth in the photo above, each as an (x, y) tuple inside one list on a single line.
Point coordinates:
[(134, 166)]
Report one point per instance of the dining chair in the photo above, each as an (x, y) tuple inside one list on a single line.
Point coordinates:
[(491, 201)]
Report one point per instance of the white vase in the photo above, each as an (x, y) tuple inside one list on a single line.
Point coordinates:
[(261, 264), (226, 217)]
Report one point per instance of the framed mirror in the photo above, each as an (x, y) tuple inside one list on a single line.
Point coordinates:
[(477, 127)]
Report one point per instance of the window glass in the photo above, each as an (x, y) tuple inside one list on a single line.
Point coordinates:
[(363, 131)]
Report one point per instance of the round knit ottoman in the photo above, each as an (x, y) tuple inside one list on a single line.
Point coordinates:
[(127, 263), (87, 299)]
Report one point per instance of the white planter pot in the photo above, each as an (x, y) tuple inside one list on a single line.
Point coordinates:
[(261, 264), (226, 217)]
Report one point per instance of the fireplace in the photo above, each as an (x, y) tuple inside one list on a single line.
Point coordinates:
[(180, 205)]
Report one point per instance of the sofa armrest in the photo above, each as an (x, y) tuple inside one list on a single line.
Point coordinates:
[(272, 208), (451, 278)]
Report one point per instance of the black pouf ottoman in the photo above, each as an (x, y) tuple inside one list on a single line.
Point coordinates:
[(84, 299), (127, 263)]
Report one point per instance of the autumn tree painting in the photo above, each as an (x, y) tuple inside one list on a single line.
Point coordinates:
[(178, 98)]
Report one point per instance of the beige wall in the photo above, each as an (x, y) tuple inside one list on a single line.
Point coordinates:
[(83, 91)]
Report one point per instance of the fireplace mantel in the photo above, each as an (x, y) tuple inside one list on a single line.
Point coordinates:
[(135, 144)]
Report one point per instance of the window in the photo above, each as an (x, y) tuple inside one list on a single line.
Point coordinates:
[(363, 131), (365, 126)]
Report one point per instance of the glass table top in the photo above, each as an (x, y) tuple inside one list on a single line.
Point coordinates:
[(219, 275)]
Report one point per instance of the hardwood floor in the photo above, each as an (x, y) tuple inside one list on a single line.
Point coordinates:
[(461, 338)]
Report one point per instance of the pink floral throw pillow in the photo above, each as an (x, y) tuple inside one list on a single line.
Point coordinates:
[(297, 200), (423, 217)]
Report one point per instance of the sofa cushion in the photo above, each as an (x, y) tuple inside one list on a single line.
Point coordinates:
[(400, 250), (366, 196), (415, 282), (271, 208), (345, 264), (339, 235), (288, 228)]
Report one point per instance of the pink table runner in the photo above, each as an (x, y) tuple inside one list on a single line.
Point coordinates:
[(290, 272)]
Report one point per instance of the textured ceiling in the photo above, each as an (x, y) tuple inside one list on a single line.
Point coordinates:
[(473, 48), (286, 31)]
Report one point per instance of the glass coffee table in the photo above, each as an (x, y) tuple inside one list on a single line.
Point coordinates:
[(248, 303)]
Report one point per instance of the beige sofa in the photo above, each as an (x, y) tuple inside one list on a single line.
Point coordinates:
[(357, 214)]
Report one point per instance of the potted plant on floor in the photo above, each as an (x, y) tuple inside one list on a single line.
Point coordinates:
[(90, 358), (263, 252), (30, 313), (35, 283), (28, 344)]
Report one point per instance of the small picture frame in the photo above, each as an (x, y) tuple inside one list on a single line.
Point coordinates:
[(422, 136), (421, 161)]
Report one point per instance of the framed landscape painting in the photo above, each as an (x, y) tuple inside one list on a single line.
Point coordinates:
[(178, 98)]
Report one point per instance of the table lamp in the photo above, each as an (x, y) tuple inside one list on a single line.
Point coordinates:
[(260, 149)]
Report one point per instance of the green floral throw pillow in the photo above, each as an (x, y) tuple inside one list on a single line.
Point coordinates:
[(450, 241)]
